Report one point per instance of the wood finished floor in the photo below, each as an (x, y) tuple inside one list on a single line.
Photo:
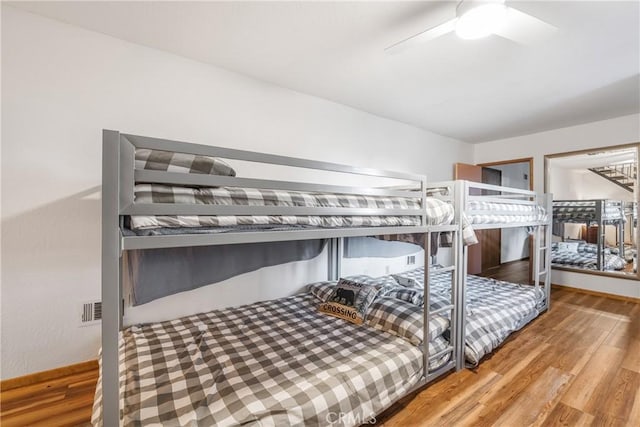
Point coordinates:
[(514, 272), (577, 365)]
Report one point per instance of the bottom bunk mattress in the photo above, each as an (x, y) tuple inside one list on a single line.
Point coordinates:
[(585, 255), (279, 362), (494, 309)]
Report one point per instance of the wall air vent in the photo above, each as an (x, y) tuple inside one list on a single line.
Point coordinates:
[(411, 259), (91, 312)]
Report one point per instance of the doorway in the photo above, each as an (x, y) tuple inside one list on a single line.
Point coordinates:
[(498, 247)]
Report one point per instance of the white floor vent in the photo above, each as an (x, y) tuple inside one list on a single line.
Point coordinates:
[(91, 312)]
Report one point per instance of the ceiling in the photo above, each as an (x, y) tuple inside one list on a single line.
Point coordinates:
[(474, 91)]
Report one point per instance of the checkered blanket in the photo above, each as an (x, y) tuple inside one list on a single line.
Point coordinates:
[(231, 196), (483, 212), (278, 362), (585, 211), (181, 162), (586, 260), (438, 211), (494, 308)]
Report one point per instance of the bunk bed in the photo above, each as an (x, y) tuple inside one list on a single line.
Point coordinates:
[(279, 361), (493, 309), (580, 254), (597, 212)]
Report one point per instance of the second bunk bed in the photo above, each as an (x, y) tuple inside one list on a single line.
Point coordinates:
[(493, 309), (596, 214), (284, 361)]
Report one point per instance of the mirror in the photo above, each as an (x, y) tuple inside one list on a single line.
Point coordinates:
[(594, 210)]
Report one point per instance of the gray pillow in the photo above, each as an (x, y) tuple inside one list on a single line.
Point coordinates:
[(404, 320), (181, 162)]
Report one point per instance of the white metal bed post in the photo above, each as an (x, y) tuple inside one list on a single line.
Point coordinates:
[(426, 306), (461, 189), (426, 317), (599, 206), (111, 277), (538, 246), (621, 229), (547, 254), (335, 248)]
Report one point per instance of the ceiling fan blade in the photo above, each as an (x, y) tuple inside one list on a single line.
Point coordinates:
[(422, 37), (525, 29)]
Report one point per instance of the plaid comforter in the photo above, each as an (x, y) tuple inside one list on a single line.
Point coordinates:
[(494, 308), (586, 260), (482, 212), (230, 196), (438, 211), (276, 362), (585, 211)]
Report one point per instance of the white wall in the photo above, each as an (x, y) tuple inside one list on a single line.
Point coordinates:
[(621, 130), (514, 244), (581, 184), (61, 86)]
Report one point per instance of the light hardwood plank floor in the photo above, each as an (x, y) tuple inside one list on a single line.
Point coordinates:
[(577, 365)]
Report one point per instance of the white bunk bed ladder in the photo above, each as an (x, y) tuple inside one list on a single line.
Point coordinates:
[(452, 308), (452, 192), (542, 254)]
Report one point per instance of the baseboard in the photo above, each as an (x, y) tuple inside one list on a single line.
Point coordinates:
[(52, 374), (596, 293), (514, 261)]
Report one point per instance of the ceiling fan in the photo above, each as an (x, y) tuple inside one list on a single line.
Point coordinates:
[(476, 19)]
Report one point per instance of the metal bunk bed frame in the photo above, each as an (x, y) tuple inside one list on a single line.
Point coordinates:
[(459, 192), (119, 177), (600, 206)]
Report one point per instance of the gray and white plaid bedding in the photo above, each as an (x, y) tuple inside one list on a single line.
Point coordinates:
[(181, 162), (586, 260), (277, 362), (494, 309), (585, 211), (438, 211), (483, 212)]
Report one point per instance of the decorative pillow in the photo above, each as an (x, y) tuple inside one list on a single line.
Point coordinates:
[(323, 290), (383, 284), (403, 320), (568, 246), (350, 301), (413, 278), (414, 296), (181, 162)]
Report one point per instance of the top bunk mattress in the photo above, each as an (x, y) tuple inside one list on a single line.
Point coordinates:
[(486, 212), (576, 210), (438, 212)]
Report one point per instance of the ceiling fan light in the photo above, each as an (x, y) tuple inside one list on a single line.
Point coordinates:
[(481, 21)]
